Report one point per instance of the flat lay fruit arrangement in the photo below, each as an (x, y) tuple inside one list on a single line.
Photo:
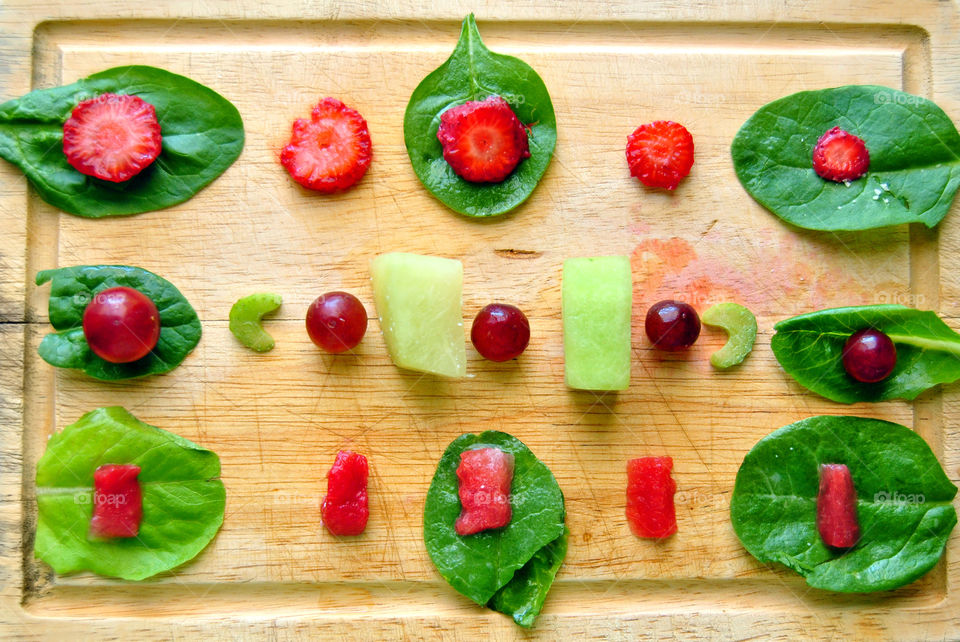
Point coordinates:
[(472, 324)]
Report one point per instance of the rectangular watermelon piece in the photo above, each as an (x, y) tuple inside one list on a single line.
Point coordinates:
[(117, 502), (650, 489), (597, 300), (418, 300)]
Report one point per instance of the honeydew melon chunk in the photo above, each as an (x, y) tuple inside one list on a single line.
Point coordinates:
[(418, 302), (597, 300)]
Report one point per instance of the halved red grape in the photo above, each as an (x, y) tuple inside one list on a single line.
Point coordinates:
[(672, 325), (869, 356), (121, 325), (336, 321), (500, 332)]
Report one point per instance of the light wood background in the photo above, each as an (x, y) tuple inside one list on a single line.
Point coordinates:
[(277, 420)]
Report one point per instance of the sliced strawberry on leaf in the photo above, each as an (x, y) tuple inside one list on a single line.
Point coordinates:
[(840, 156), (331, 151), (837, 507), (112, 137), (483, 141), (660, 153)]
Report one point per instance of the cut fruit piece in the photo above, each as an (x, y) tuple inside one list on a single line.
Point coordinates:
[(837, 507), (597, 295), (117, 502), (418, 302), (650, 509), (485, 476), (345, 507), (245, 317), (741, 328)]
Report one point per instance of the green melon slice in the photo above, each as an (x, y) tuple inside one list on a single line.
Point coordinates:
[(418, 301), (597, 296)]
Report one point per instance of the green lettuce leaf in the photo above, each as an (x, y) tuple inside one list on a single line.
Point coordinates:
[(183, 501), (202, 136), (74, 287)]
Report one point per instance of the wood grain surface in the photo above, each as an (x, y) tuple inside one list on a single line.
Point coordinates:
[(278, 419)]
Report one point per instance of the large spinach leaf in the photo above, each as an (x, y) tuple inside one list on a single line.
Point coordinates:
[(183, 502), (74, 287), (914, 158), (509, 569), (810, 349), (202, 136), (904, 502), (473, 72)]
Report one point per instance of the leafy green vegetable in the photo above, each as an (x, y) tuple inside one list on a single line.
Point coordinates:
[(741, 328), (904, 502), (74, 287), (472, 73), (914, 158), (509, 569), (810, 349), (202, 136), (183, 502), (245, 316)]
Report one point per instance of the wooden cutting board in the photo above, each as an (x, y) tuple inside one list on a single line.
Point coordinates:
[(277, 419)]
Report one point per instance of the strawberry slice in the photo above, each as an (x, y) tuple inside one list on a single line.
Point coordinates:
[(660, 153), (112, 137), (837, 507), (483, 141), (331, 151), (840, 156)]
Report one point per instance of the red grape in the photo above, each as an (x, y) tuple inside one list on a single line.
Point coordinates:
[(869, 356), (500, 332), (336, 322), (121, 325), (672, 325)]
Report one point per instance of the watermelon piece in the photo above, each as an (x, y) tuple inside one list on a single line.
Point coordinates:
[(117, 502), (650, 509), (418, 301), (485, 475), (597, 297), (345, 508), (837, 507)]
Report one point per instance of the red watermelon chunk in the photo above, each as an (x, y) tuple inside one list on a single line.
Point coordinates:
[(345, 507), (650, 489), (837, 507), (485, 476), (117, 501)]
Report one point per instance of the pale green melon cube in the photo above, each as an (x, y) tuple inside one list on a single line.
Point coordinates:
[(418, 301), (597, 299)]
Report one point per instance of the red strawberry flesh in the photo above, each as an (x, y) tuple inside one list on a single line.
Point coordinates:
[(840, 156), (485, 476), (117, 501), (483, 141), (112, 137), (660, 154), (331, 151), (650, 489), (345, 507), (837, 507)]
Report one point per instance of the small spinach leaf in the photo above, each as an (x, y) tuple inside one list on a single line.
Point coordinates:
[(74, 287), (904, 502), (473, 72), (810, 349), (183, 502), (914, 158), (519, 560), (202, 136)]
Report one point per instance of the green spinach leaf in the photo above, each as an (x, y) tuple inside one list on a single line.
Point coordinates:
[(810, 349), (473, 72), (202, 136), (904, 502), (183, 501), (914, 158), (74, 287), (509, 569)]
